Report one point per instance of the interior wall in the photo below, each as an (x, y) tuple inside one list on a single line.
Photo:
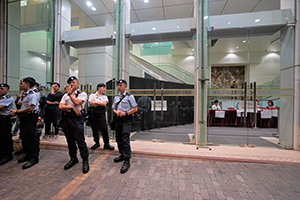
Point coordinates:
[(263, 67)]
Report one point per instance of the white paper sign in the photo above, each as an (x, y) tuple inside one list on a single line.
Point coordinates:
[(275, 113), (266, 114), (158, 105), (219, 114), (249, 104)]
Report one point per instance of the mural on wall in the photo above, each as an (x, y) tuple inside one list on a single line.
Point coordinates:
[(227, 77)]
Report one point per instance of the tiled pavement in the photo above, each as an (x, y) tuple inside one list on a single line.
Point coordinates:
[(148, 178)]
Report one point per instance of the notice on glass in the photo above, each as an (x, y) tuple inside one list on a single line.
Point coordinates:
[(266, 114), (220, 114)]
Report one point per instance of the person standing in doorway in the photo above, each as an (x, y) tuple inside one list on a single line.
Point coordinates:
[(52, 113), (123, 107), (97, 117)]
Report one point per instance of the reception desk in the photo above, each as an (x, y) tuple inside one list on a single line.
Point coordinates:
[(232, 118)]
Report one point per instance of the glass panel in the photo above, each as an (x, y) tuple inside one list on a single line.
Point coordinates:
[(30, 42)]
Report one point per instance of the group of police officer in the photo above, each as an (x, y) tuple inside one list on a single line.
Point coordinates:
[(71, 104)]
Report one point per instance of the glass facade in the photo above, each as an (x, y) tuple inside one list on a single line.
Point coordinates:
[(241, 52)]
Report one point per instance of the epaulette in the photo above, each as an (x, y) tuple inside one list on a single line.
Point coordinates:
[(30, 92), (7, 96)]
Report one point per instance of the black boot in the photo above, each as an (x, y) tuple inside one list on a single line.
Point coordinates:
[(119, 158), (71, 163), (85, 166), (125, 166), (6, 159), (95, 146), (109, 147)]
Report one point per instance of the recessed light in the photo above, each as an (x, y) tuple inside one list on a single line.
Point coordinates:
[(257, 20), (244, 41), (228, 22), (93, 8), (177, 26), (43, 54), (275, 50), (205, 17), (154, 28), (89, 4), (237, 47), (146, 1), (132, 31)]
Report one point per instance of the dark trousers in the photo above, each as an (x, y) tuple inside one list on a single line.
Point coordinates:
[(30, 138), (74, 132), (6, 142), (51, 116), (98, 120), (123, 129)]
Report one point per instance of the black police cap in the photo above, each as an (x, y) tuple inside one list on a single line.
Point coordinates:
[(71, 78), (55, 83), (4, 85), (122, 81), (29, 80), (100, 85)]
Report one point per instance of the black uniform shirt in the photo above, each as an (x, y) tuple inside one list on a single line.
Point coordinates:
[(54, 97)]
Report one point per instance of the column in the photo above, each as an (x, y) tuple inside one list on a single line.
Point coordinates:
[(201, 71), (297, 81), (62, 51), (3, 44)]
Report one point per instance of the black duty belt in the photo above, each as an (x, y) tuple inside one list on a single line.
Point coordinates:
[(125, 118), (28, 114), (93, 108), (5, 116)]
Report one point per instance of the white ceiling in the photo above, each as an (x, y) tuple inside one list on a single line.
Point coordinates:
[(169, 9), (173, 9)]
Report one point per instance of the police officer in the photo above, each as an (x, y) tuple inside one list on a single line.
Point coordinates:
[(71, 104), (97, 117), (6, 143), (123, 107), (53, 113), (28, 115)]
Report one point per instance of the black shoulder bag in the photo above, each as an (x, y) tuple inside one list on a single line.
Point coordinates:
[(113, 122)]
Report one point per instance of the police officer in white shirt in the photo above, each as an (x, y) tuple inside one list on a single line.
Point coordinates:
[(97, 117), (71, 104), (28, 115), (6, 143)]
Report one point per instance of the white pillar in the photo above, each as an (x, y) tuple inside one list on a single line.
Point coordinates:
[(3, 44), (62, 52), (297, 81)]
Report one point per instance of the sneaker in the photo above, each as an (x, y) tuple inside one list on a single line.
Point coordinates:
[(45, 137), (55, 137)]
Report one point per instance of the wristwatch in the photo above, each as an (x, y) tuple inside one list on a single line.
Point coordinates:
[(69, 93)]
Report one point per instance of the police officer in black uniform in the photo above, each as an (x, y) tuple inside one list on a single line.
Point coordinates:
[(97, 117), (6, 143), (71, 104), (123, 107), (28, 115), (53, 113)]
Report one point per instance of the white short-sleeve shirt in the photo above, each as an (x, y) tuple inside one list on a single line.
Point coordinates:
[(98, 98), (80, 95)]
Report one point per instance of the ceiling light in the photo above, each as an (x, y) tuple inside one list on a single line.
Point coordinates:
[(146, 1), (177, 26), (275, 50), (205, 17), (154, 28), (43, 54), (93, 8), (89, 4), (237, 47), (244, 41), (257, 20), (228, 22), (132, 31)]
